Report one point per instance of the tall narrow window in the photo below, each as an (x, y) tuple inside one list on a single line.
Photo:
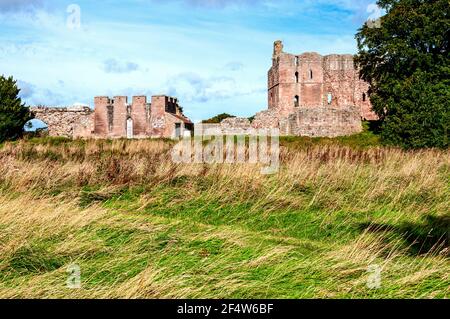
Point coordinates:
[(329, 98), (310, 74), (296, 60), (177, 130), (129, 128), (296, 77), (364, 97), (296, 101)]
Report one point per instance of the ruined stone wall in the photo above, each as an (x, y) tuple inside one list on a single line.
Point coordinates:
[(235, 125), (140, 115), (158, 118), (170, 126), (266, 119), (340, 80), (322, 121), (113, 117), (309, 80), (72, 122), (229, 126), (103, 116), (319, 121), (120, 104), (363, 102)]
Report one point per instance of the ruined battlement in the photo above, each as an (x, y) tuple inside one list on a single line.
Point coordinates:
[(312, 95), (311, 80), (115, 117)]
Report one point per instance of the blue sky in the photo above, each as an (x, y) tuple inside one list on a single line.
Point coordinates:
[(212, 54)]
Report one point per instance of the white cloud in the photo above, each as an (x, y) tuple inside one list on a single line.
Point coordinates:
[(19, 5), (115, 66), (191, 87)]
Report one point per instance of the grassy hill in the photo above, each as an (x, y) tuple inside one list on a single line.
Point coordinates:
[(140, 226)]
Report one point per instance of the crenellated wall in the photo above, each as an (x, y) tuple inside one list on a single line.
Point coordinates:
[(139, 113), (116, 118), (311, 80), (314, 95)]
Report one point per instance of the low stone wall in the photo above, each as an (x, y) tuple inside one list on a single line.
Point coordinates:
[(322, 122), (235, 125), (229, 126), (313, 122), (73, 122), (267, 119)]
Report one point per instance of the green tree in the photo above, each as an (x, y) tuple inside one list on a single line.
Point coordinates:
[(217, 119), (405, 59), (13, 114)]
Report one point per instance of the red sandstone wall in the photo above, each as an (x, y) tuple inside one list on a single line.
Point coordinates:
[(84, 126), (332, 75), (322, 121), (119, 128), (362, 88), (157, 120), (311, 91), (101, 115), (339, 80), (139, 115)]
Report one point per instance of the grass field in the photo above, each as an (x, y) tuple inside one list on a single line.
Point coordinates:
[(140, 226)]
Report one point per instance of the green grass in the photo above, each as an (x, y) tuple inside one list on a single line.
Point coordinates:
[(366, 139), (140, 227)]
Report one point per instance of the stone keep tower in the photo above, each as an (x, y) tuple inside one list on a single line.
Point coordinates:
[(311, 80)]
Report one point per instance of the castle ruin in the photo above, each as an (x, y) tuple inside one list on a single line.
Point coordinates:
[(312, 95), (116, 118), (308, 95)]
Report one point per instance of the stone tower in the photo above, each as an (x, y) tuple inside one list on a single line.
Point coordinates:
[(311, 80)]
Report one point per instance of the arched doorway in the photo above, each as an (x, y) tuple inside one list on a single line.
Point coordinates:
[(36, 126), (129, 128)]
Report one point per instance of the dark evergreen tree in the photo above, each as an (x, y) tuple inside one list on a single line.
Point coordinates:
[(406, 61), (13, 114)]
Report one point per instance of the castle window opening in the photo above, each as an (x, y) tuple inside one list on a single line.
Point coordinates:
[(310, 74), (129, 128), (329, 98), (364, 97), (296, 101), (296, 60), (296, 77), (177, 130)]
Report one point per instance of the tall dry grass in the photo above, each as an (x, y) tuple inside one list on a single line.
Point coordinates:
[(142, 226)]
